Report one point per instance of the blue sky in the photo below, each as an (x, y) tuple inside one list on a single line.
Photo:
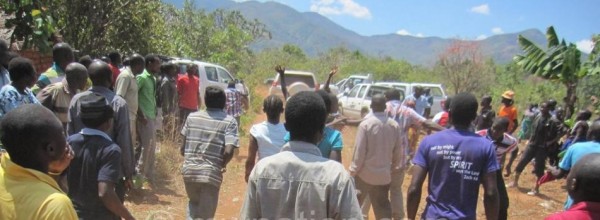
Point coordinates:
[(574, 20)]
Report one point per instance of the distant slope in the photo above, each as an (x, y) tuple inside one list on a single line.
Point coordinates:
[(316, 34)]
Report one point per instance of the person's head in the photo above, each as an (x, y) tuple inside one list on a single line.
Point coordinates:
[(378, 103), (34, 138), (192, 69), (364, 111), (153, 63), (96, 113), (427, 91), (85, 61), (115, 58), (594, 131), (560, 113), (507, 97), (62, 54), (231, 84), (126, 61), (544, 109), (214, 97), (447, 103), (335, 105), (584, 178), (584, 115), (22, 73), (463, 109), (105, 59), (305, 116), (418, 91), (273, 107), (392, 94), (486, 101), (171, 70), (137, 64), (100, 74), (499, 127), (325, 96), (552, 104), (76, 75)]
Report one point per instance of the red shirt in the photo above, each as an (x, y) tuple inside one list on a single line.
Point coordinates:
[(444, 119), (579, 211), (115, 70), (188, 89)]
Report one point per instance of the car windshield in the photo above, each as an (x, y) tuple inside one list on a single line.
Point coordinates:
[(293, 78)]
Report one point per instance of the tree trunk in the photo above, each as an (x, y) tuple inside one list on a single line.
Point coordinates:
[(571, 99)]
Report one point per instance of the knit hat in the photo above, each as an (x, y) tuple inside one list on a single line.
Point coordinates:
[(94, 106), (508, 94)]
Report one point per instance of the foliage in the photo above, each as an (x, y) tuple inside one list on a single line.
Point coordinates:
[(464, 68), (594, 59), (560, 62), (31, 21)]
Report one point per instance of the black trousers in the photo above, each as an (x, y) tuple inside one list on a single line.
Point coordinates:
[(537, 152)]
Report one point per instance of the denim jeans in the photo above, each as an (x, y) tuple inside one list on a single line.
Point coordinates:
[(379, 196), (203, 198)]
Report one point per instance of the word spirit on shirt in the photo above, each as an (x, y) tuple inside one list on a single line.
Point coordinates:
[(457, 164)]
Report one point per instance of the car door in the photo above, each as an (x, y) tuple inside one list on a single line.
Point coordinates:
[(356, 103), (438, 95), (346, 100)]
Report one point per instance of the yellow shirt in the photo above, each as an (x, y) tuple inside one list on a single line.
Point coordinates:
[(30, 194)]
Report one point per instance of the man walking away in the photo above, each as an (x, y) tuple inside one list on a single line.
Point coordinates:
[(298, 183), (377, 152), (457, 161), (210, 138), (94, 171), (234, 101)]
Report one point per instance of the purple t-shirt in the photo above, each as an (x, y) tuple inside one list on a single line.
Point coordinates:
[(456, 162)]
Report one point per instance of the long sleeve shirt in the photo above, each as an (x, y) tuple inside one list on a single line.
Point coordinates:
[(377, 149)]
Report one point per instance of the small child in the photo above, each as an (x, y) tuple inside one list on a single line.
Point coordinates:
[(95, 170)]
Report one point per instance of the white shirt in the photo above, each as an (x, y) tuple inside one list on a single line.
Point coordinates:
[(269, 138)]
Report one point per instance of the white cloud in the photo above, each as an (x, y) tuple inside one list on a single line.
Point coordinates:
[(497, 30), (481, 9), (340, 7), (481, 37), (585, 45), (405, 32)]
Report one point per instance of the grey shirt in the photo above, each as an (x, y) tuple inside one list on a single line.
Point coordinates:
[(120, 132), (298, 183)]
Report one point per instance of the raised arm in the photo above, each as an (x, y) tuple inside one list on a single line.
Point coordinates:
[(331, 73), (281, 71)]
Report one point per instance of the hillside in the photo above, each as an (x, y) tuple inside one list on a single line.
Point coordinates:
[(315, 33)]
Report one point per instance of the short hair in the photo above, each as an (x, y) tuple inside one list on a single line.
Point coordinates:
[(501, 122), (151, 58), (85, 60), (114, 56), (95, 110), (214, 97), (25, 130), (392, 94), (99, 73), (326, 99), (463, 108), (584, 115), (136, 60), (586, 172), (20, 68), (305, 115), (76, 72), (487, 99), (273, 106), (447, 103), (61, 51)]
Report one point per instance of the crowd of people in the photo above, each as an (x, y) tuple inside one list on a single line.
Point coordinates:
[(77, 136)]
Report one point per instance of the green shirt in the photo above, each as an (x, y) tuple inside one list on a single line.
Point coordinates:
[(147, 94)]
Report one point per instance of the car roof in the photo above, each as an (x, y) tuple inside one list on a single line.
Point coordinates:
[(297, 72), (199, 63), (405, 84)]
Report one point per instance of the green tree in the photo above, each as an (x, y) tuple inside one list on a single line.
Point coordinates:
[(560, 62), (32, 23)]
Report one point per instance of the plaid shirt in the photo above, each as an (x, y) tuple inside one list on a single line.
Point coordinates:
[(234, 102), (206, 134)]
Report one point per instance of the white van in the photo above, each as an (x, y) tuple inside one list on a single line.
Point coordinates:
[(209, 74), (351, 103), (437, 91)]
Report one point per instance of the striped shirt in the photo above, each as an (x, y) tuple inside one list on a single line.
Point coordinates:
[(234, 102), (206, 134), (57, 98), (507, 145)]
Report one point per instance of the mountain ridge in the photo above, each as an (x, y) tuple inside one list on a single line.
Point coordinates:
[(316, 34)]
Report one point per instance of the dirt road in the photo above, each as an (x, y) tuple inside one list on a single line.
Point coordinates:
[(167, 199)]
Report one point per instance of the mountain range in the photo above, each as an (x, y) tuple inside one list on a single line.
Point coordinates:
[(315, 34)]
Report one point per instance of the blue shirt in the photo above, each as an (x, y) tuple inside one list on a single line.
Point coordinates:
[(10, 99), (421, 103), (456, 162), (573, 154), (332, 140)]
